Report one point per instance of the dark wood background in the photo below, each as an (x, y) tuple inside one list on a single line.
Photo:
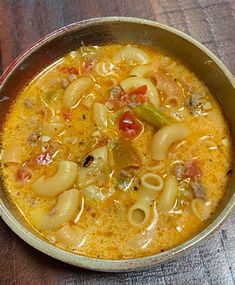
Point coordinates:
[(211, 22)]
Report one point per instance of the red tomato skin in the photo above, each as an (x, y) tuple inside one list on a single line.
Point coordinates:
[(69, 70), (140, 90), (129, 125), (23, 174), (66, 115)]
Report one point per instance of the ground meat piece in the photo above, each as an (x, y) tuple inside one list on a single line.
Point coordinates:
[(179, 171), (198, 189)]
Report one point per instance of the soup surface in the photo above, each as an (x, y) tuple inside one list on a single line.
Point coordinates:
[(116, 152)]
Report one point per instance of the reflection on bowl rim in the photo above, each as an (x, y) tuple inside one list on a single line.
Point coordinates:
[(104, 264)]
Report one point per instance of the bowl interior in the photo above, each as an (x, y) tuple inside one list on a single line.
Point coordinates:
[(119, 30)]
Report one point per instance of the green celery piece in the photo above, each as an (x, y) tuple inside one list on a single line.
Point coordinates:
[(152, 116)]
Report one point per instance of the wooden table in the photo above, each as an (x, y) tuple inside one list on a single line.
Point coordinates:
[(211, 22)]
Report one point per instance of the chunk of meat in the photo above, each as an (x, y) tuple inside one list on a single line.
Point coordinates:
[(198, 189), (129, 125)]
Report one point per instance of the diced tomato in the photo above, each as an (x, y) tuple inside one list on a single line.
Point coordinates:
[(69, 70), (87, 66), (23, 174), (44, 158), (66, 115), (119, 98), (141, 99), (193, 170), (140, 90), (129, 125)]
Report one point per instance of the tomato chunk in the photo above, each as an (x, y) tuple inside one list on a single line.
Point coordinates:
[(140, 90), (69, 69), (129, 125), (23, 174), (66, 115)]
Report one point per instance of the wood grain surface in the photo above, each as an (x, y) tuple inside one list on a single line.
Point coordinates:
[(211, 22)]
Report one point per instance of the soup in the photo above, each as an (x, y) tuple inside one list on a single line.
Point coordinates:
[(116, 152)]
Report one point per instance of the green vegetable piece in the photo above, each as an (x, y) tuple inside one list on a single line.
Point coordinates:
[(152, 116)]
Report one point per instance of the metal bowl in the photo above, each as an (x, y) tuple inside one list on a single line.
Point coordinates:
[(102, 31)]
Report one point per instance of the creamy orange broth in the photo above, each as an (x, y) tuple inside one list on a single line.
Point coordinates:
[(103, 227)]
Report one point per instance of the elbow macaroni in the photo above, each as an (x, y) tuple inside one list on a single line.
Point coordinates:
[(140, 70), (133, 83), (100, 115), (95, 171), (165, 137), (76, 90), (64, 178), (201, 209), (151, 184), (169, 194), (69, 237), (66, 206), (131, 54)]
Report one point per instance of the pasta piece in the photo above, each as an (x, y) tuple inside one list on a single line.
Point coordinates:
[(169, 194), (12, 153), (151, 184), (133, 83), (138, 214), (201, 209), (100, 155), (173, 101), (88, 101), (65, 209), (167, 64), (68, 237), (157, 167), (100, 115), (93, 192), (64, 178), (165, 137), (53, 128), (152, 181), (95, 170), (110, 81), (131, 54), (103, 68), (76, 90), (140, 70)]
